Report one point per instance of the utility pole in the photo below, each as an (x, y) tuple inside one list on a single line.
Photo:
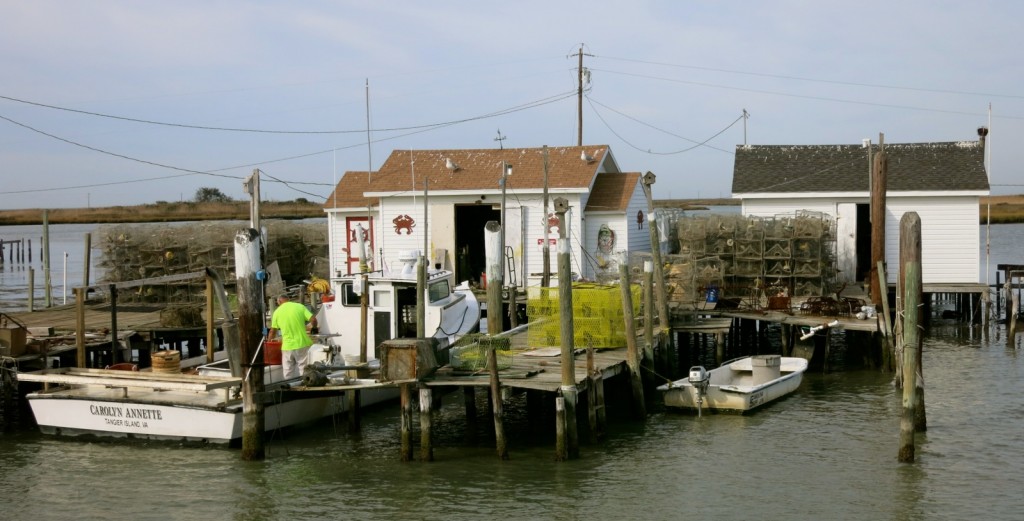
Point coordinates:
[(746, 116), (580, 73), (499, 139)]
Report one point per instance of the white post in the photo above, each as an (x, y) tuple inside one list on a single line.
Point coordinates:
[(64, 285)]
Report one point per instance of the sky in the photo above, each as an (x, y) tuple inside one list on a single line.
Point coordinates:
[(106, 103)]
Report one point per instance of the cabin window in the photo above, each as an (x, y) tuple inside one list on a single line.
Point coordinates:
[(382, 299), (349, 297), (439, 290)]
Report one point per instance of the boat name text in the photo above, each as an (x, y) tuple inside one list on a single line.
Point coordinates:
[(125, 412)]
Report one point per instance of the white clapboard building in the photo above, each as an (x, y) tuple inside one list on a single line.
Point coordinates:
[(607, 210), (942, 182)]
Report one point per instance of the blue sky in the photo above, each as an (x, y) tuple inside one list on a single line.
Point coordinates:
[(669, 81)]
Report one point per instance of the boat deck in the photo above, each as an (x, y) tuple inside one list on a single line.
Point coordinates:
[(142, 387)]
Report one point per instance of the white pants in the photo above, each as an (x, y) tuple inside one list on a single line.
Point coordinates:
[(293, 361)]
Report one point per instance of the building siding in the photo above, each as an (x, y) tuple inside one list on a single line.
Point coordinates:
[(950, 235)]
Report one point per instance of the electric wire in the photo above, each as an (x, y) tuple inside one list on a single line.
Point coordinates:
[(816, 80), (801, 96), (188, 172), (648, 151), (420, 129), (516, 108)]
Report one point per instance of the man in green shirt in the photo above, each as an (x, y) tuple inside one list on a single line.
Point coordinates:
[(290, 318)]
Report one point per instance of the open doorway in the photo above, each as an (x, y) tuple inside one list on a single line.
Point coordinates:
[(863, 241), (470, 258)]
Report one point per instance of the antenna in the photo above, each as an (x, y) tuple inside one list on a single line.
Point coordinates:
[(499, 139), (369, 141)]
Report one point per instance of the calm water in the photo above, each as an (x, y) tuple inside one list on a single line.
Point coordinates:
[(826, 452)]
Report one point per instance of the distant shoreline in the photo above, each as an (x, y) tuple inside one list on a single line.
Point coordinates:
[(1005, 209), (162, 212)]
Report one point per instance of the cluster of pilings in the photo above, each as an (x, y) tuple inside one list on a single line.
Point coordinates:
[(15, 251)]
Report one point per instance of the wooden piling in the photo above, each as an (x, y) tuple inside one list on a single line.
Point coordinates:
[(649, 313), (659, 269), (592, 397), (495, 275), (469, 401), (501, 445), (1012, 303), (426, 425), (87, 257), (31, 289), (910, 271), (632, 357), (1011, 337), (568, 358), (48, 286), (879, 174), (405, 397), (211, 339), (80, 326), (250, 332), (114, 355), (887, 343), (561, 439)]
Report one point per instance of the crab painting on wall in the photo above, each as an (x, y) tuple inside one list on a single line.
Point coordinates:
[(404, 222)]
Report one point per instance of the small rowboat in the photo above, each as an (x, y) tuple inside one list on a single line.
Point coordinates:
[(738, 386)]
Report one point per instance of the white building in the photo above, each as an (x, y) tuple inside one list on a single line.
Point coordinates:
[(464, 192), (942, 182)]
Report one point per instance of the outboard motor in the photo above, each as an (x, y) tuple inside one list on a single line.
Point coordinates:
[(699, 379)]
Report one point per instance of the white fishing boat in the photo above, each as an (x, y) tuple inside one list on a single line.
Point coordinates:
[(206, 407), (740, 386), (451, 311)]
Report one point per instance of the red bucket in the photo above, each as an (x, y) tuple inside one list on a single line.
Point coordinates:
[(272, 352)]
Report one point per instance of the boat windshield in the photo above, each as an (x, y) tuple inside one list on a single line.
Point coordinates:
[(439, 290)]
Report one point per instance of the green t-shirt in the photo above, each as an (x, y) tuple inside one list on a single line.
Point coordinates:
[(290, 318)]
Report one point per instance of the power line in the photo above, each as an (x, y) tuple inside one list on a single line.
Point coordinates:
[(188, 172), (816, 80), (416, 130), (516, 108), (803, 96), (649, 151), (696, 143)]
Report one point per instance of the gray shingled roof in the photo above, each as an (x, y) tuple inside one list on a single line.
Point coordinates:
[(952, 166)]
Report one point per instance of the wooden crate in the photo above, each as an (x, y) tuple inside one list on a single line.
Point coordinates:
[(407, 359), (12, 341)]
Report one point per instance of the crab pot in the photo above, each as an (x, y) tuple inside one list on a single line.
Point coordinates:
[(766, 368)]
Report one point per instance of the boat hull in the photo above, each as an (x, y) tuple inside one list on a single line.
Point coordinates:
[(181, 417), (732, 388)]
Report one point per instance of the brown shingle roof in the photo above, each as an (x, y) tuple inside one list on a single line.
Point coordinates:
[(349, 192), (480, 169), (947, 166), (612, 192)]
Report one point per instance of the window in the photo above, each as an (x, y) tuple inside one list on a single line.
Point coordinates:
[(438, 290), (348, 295)]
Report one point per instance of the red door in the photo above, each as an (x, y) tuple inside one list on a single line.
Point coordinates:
[(353, 246)]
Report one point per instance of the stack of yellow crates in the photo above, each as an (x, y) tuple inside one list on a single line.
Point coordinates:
[(598, 318)]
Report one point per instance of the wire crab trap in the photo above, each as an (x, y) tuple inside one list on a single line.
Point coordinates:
[(470, 352)]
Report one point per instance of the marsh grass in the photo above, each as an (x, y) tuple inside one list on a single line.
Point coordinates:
[(163, 212)]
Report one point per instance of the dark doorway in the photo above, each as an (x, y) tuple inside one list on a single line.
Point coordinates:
[(863, 241), (470, 259)]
